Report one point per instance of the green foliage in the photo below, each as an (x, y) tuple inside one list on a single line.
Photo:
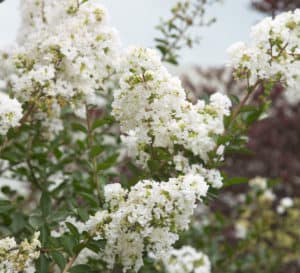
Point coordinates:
[(176, 32)]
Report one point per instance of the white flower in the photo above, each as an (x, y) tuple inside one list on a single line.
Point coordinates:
[(259, 183), (153, 110), (10, 113), (284, 204), (65, 53), (273, 53), (145, 219), (268, 195), (16, 258), (114, 194), (241, 229), (186, 260), (292, 94)]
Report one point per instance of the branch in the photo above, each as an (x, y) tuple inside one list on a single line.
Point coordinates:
[(95, 177)]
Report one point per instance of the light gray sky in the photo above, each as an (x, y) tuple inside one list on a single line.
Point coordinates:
[(136, 20)]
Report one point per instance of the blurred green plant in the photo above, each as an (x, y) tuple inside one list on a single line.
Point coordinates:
[(180, 29)]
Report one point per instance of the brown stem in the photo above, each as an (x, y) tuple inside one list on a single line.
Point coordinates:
[(95, 177), (251, 91), (73, 258), (43, 12), (70, 263)]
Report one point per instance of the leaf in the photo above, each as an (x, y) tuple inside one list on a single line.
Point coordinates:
[(101, 122), (162, 49), (42, 264), (68, 243), (96, 150), (59, 259), (83, 214), (18, 222), (45, 203), (36, 221), (80, 268), (96, 246), (44, 234), (235, 100), (73, 230), (235, 180), (79, 127), (89, 198), (5, 206), (172, 60), (107, 163)]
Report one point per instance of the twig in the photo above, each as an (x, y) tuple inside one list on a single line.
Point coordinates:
[(238, 109), (73, 258), (94, 158)]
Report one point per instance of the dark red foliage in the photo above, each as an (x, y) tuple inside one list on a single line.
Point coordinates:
[(275, 142), (275, 6)]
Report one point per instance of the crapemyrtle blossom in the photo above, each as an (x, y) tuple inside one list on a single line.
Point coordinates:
[(292, 94), (15, 258), (146, 219), (186, 260), (153, 110), (273, 53), (11, 113), (284, 204), (65, 54)]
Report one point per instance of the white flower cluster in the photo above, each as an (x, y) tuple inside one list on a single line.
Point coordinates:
[(212, 176), (292, 94), (284, 204), (65, 54), (274, 51), (260, 184), (147, 219), (16, 258), (10, 113), (186, 260), (241, 228), (153, 111)]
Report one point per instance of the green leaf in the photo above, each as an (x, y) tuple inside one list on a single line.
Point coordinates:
[(79, 127), (107, 163), (96, 150), (80, 268), (36, 221), (172, 60), (5, 206), (89, 198), (73, 230), (235, 180), (18, 222), (96, 246), (59, 259), (154, 165), (235, 100), (44, 234), (45, 203), (101, 122), (83, 214), (162, 49), (42, 264), (68, 243)]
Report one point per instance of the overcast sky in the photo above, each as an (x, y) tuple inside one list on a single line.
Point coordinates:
[(136, 20)]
